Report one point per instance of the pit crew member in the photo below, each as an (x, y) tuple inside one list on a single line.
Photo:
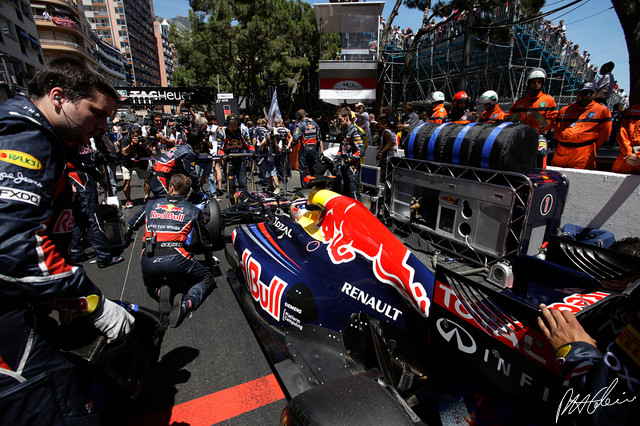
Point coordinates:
[(266, 143), (351, 151), (606, 383), (231, 140), (84, 175), (179, 159), (173, 230), (284, 146), (308, 134), (68, 104)]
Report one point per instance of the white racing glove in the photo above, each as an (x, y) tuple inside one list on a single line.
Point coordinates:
[(114, 321)]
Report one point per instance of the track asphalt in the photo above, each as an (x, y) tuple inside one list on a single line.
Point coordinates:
[(211, 369)]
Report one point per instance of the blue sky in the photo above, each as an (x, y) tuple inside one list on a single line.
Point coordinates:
[(590, 23)]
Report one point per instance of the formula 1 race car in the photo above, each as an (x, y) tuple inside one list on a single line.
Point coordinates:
[(357, 327), (367, 326)]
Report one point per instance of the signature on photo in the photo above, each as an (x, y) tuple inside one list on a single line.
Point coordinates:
[(571, 403)]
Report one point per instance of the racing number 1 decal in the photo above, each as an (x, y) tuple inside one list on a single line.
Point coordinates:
[(546, 204)]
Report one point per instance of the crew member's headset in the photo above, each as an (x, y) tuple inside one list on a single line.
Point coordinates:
[(59, 99)]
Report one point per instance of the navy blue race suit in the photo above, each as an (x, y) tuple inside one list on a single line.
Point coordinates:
[(589, 375), (351, 151), (307, 133), (236, 167), (179, 159), (36, 272), (178, 229), (282, 161), (259, 134), (266, 152), (86, 213)]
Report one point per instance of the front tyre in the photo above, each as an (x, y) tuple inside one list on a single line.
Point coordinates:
[(354, 400), (215, 225)]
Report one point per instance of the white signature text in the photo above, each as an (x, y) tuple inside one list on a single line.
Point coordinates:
[(570, 403)]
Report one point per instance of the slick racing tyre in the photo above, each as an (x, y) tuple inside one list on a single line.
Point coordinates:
[(215, 225), (354, 400)]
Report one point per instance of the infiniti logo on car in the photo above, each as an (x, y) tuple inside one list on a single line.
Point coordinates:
[(448, 328)]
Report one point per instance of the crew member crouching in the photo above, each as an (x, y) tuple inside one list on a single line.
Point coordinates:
[(174, 231)]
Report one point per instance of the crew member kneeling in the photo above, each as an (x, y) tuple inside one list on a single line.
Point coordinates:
[(174, 230)]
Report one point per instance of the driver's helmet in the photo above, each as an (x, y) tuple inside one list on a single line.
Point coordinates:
[(298, 208)]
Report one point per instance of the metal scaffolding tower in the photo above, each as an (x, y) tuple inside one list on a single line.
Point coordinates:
[(493, 65)]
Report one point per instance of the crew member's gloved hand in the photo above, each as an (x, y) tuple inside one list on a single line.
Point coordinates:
[(128, 236), (112, 320)]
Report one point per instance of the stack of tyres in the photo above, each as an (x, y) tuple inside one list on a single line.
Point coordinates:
[(506, 146)]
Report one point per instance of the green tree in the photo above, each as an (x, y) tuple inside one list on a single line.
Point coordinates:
[(247, 47)]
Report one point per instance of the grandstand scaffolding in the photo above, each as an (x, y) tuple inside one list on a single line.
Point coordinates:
[(493, 65)]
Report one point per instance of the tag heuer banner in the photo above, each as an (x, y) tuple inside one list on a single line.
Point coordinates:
[(140, 96)]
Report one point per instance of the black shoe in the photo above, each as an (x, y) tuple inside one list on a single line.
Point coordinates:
[(180, 312), (84, 257), (165, 304), (110, 261)]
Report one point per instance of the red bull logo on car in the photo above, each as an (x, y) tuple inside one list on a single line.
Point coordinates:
[(269, 296), (349, 229)]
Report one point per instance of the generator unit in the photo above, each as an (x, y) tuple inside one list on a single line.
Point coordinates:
[(479, 214)]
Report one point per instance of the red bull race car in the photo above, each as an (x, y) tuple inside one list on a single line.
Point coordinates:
[(362, 326)]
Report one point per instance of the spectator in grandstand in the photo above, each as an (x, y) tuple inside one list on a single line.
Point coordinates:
[(460, 113), (628, 161), (410, 119), (492, 112), (535, 109), (580, 129), (605, 84), (438, 113)]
